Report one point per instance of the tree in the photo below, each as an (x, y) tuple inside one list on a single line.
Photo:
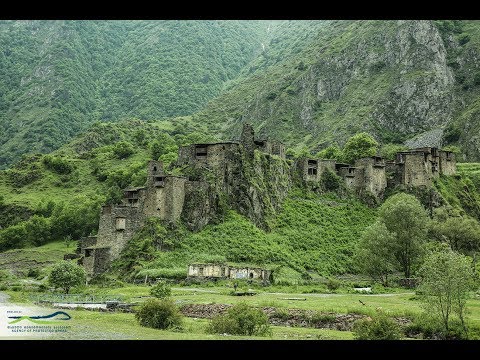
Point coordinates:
[(461, 232), (38, 230), (331, 152), (406, 219), (375, 255), (123, 149), (359, 146), (447, 279), (329, 181), (66, 275)]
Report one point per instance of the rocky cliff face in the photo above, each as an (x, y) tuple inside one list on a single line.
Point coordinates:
[(254, 187), (398, 80)]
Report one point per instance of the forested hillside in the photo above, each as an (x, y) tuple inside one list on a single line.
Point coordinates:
[(58, 77)]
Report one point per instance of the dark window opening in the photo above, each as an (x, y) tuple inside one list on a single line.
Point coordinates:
[(312, 171), (251, 275), (201, 151), (159, 180), (223, 147), (154, 168), (88, 252), (350, 171), (158, 209), (312, 162), (200, 271), (449, 156)]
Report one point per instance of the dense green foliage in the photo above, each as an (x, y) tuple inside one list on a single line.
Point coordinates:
[(406, 219), (65, 189), (159, 314), (380, 327), (359, 146), (447, 279), (241, 319), (57, 77), (374, 255), (161, 290), (66, 274)]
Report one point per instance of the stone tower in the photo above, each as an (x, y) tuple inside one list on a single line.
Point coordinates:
[(155, 173)]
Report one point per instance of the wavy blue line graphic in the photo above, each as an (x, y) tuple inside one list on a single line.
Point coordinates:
[(63, 316)]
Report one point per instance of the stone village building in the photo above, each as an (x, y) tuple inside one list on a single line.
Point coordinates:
[(223, 271), (253, 177)]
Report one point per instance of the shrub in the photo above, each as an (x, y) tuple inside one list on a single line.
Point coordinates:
[(381, 327), (33, 272), (428, 326), (57, 164), (330, 181), (161, 290), (123, 149), (241, 319), (333, 284), (66, 275), (159, 314)]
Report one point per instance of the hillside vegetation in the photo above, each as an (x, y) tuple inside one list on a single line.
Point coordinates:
[(58, 77)]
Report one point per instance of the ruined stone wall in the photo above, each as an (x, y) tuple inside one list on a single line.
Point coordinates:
[(174, 197), (447, 163), (155, 203), (351, 176), (101, 260), (249, 273), (394, 173), (374, 179), (108, 234), (247, 140), (208, 270), (154, 168), (324, 164), (87, 241), (278, 149), (213, 162), (417, 170), (88, 263), (186, 155), (264, 146), (165, 202)]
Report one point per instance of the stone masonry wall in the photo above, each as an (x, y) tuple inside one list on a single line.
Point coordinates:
[(447, 163), (416, 171), (374, 179)]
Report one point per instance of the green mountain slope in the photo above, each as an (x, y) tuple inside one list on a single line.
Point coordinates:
[(47, 198), (403, 81), (58, 77)]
